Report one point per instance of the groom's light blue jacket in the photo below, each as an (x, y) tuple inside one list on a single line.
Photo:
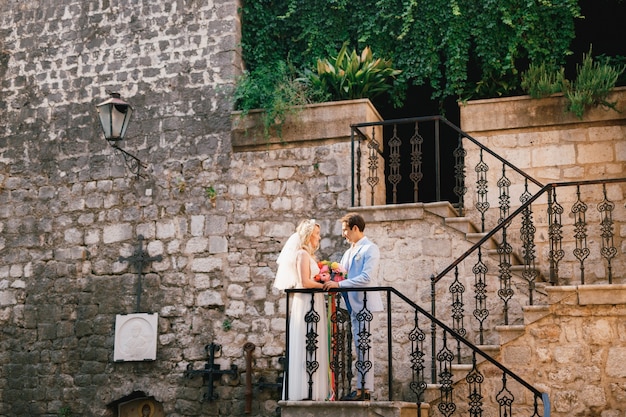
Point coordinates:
[(361, 262)]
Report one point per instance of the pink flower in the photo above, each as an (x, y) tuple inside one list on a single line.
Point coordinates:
[(334, 269)]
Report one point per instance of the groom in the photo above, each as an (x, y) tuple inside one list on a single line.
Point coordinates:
[(361, 262)]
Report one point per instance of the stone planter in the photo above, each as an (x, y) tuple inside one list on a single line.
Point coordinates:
[(323, 124), (310, 125), (524, 112), (551, 145), (543, 140)]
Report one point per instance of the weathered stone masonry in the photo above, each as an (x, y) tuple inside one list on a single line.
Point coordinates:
[(69, 208)]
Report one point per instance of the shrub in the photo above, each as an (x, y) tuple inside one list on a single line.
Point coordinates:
[(276, 89), (281, 89), (593, 84), (539, 82)]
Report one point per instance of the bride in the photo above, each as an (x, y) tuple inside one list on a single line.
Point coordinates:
[(307, 370)]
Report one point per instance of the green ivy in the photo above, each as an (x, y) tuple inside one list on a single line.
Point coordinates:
[(275, 88), (461, 48)]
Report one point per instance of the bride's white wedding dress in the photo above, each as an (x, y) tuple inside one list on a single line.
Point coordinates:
[(297, 373)]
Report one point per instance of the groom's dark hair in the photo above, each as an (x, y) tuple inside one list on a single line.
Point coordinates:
[(354, 219)]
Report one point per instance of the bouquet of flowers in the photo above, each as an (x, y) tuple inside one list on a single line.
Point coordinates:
[(330, 271)]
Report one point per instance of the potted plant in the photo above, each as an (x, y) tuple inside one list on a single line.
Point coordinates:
[(276, 89), (594, 82), (349, 75), (269, 101)]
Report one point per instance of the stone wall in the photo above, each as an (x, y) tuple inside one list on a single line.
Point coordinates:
[(576, 353), (69, 209), (541, 139)]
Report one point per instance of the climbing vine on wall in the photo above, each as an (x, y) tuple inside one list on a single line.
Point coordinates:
[(461, 48)]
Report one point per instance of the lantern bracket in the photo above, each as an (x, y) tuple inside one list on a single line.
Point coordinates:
[(133, 163)]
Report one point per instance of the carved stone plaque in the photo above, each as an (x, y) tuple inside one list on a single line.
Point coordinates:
[(135, 337)]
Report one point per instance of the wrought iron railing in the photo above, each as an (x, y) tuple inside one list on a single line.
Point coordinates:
[(523, 219), (424, 159), (530, 235), (422, 356), (588, 239)]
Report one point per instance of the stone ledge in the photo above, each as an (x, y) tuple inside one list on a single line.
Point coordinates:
[(592, 294), (391, 212), (610, 294), (351, 409), (564, 294), (524, 112), (314, 124)]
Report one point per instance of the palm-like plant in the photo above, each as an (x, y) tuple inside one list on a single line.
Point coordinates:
[(351, 75)]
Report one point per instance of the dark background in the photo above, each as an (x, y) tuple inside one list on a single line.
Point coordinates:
[(603, 28)]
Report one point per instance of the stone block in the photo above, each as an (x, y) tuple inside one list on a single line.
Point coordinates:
[(611, 294), (316, 122), (352, 409), (524, 112), (116, 233)]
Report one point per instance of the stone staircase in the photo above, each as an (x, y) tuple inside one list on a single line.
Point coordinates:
[(569, 343), (513, 346), (505, 333), (472, 235), (431, 397)]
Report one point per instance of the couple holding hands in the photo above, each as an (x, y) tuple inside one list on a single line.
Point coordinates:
[(298, 268)]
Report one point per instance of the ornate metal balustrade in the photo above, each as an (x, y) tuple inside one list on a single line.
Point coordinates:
[(543, 234), (530, 235), (426, 159), (422, 356), (576, 229)]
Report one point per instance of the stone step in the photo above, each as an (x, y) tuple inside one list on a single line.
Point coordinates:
[(459, 372), (518, 269), (462, 224), (492, 251), (566, 294), (432, 394), (534, 313), (490, 245), (352, 409), (510, 332), (602, 294), (441, 208), (491, 350)]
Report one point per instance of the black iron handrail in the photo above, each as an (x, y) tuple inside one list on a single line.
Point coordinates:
[(508, 257), (375, 146), (523, 213), (546, 188), (358, 126), (447, 332), (530, 263)]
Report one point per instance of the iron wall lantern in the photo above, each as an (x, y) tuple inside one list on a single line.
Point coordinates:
[(114, 115)]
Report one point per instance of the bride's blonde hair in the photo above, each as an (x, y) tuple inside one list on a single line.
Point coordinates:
[(305, 230)]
